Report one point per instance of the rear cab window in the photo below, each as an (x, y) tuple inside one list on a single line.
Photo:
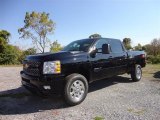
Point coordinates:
[(116, 46)]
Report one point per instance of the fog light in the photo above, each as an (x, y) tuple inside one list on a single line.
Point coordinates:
[(47, 87)]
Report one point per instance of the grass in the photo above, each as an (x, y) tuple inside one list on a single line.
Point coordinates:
[(137, 112), (98, 118), (151, 69)]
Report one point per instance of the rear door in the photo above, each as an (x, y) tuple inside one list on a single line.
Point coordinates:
[(119, 56)]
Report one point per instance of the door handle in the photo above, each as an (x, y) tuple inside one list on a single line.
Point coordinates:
[(97, 69), (110, 57)]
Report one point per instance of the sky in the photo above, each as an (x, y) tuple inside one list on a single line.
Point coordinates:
[(77, 19)]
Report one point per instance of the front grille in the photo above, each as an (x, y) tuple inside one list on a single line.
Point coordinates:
[(31, 68)]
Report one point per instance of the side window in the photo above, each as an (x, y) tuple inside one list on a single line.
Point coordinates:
[(100, 43), (116, 46)]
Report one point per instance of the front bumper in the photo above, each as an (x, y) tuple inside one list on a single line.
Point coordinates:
[(32, 83)]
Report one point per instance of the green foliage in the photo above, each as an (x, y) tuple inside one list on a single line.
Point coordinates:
[(153, 51), (10, 55), (138, 47), (153, 59), (147, 48), (155, 47), (2, 44), (95, 36), (37, 27), (98, 118), (5, 36), (55, 46), (29, 51), (4, 39), (127, 43), (13, 55)]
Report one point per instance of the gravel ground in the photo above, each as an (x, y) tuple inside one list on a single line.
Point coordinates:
[(110, 99)]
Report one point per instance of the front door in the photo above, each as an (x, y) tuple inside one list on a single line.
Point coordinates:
[(102, 64)]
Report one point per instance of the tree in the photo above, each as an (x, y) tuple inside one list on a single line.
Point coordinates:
[(10, 55), (36, 27), (5, 35), (127, 43), (147, 48), (95, 36), (4, 39), (155, 47), (138, 47), (144, 48), (55, 46), (29, 51)]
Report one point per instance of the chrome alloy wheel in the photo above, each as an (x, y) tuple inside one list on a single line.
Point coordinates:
[(77, 90), (138, 73)]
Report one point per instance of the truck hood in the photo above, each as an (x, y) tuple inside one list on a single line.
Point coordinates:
[(63, 56)]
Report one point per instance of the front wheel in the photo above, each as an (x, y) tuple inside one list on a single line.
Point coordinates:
[(136, 73), (76, 89)]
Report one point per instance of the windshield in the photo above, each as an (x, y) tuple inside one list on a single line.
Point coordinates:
[(79, 45)]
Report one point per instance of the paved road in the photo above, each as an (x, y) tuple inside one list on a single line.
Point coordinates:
[(111, 99)]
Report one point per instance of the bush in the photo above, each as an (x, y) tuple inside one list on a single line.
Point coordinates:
[(10, 55), (30, 51), (153, 59), (8, 59)]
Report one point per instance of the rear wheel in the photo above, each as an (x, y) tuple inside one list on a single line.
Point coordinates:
[(76, 89), (136, 73)]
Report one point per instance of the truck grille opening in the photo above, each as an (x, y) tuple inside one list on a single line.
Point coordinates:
[(31, 68)]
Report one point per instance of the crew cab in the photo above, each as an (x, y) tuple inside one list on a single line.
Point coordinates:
[(69, 71)]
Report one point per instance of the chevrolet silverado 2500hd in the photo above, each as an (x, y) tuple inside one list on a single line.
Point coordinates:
[(69, 71)]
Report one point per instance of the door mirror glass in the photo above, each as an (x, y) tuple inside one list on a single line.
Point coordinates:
[(105, 49)]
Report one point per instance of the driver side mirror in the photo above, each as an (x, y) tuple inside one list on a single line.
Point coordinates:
[(105, 49)]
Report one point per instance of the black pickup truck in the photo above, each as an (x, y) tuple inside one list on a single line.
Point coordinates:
[(69, 71)]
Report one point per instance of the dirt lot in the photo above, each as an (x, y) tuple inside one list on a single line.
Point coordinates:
[(111, 99)]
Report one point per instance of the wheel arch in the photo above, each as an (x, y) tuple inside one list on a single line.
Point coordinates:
[(82, 71)]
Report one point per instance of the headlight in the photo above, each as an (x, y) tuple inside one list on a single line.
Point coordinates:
[(52, 67)]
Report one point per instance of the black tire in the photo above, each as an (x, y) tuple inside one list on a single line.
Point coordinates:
[(136, 73), (74, 95)]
